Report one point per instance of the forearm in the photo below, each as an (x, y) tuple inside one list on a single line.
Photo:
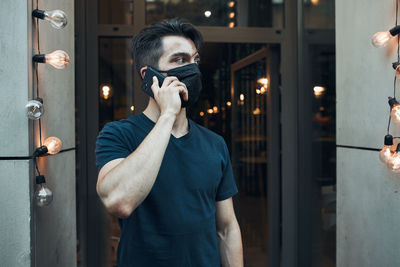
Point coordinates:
[(125, 186), (230, 246)]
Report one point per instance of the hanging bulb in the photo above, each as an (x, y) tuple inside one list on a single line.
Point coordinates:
[(394, 162), (396, 67), (34, 109), (58, 59), (386, 153), (53, 144), (381, 39), (43, 194), (57, 18), (395, 109)]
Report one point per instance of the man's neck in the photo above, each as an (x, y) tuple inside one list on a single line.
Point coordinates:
[(181, 125)]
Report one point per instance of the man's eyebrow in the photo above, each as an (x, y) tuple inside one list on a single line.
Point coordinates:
[(184, 54)]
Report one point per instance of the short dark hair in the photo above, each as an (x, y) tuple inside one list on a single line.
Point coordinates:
[(147, 46)]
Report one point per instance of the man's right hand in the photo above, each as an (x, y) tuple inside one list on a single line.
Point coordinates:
[(167, 96)]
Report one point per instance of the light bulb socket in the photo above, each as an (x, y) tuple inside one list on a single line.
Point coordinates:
[(388, 140), (40, 151), (39, 99), (37, 13), (398, 148), (395, 30), (392, 101), (395, 65), (40, 58), (40, 179)]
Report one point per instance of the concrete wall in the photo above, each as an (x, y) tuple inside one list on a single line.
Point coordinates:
[(368, 193), (33, 236)]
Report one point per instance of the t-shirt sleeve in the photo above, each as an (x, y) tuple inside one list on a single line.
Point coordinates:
[(110, 145), (227, 186)]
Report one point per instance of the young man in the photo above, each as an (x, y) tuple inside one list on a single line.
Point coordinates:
[(168, 179)]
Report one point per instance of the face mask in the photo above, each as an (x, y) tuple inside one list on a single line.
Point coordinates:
[(188, 74)]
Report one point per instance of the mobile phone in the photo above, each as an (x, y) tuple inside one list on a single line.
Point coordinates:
[(148, 80)]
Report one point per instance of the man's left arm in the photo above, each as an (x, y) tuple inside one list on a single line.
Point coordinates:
[(229, 237)]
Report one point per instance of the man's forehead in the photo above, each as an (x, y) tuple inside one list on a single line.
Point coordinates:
[(177, 44)]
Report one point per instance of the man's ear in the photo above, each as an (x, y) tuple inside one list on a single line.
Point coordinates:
[(143, 71)]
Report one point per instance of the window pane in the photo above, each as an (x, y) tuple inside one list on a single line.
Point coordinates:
[(115, 79), (319, 14), (242, 13), (115, 11)]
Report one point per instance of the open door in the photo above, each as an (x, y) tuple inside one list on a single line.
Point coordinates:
[(255, 145)]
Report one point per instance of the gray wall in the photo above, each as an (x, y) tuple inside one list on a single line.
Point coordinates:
[(368, 205), (33, 236)]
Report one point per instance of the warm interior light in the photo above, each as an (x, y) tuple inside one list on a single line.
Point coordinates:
[(318, 90), (231, 15), (315, 2), (263, 81), (201, 113), (393, 162), (215, 109), (53, 144), (207, 13), (257, 111), (241, 97), (262, 90), (106, 92), (210, 111), (229, 103), (258, 91), (231, 4), (132, 108), (231, 24)]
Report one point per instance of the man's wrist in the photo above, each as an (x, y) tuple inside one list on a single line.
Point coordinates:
[(167, 117)]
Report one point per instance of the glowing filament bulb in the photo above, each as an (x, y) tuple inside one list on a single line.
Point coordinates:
[(231, 4), (57, 18), (231, 24), (381, 39), (58, 59), (231, 15), (386, 153), (229, 103), (394, 162), (53, 144), (263, 81), (395, 109)]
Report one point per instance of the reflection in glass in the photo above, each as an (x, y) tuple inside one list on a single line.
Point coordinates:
[(319, 14), (237, 13), (115, 11), (115, 79), (322, 59), (214, 111)]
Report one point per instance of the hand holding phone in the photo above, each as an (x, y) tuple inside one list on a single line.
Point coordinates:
[(148, 80)]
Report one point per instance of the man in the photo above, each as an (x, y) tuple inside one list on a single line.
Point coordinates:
[(168, 179)]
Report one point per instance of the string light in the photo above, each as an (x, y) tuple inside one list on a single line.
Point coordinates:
[(381, 39), (43, 194), (57, 18), (58, 59), (35, 109), (207, 14), (386, 153)]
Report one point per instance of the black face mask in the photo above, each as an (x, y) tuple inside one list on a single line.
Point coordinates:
[(188, 74)]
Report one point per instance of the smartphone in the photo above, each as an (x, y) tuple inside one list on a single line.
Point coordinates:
[(148, 80)]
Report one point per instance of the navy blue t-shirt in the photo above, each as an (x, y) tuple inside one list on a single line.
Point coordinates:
[(175, 224)]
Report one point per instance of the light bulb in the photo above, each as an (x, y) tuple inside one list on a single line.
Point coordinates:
[(395, 109), (34, 109), (386, 153), (57, 18), (207, 13), (105, 91), (381, 39), (396, 67), (43, 194), (53, 144), (393, 162), (58, 59)]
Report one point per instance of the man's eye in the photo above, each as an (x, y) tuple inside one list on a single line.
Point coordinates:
[(179, 60)]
